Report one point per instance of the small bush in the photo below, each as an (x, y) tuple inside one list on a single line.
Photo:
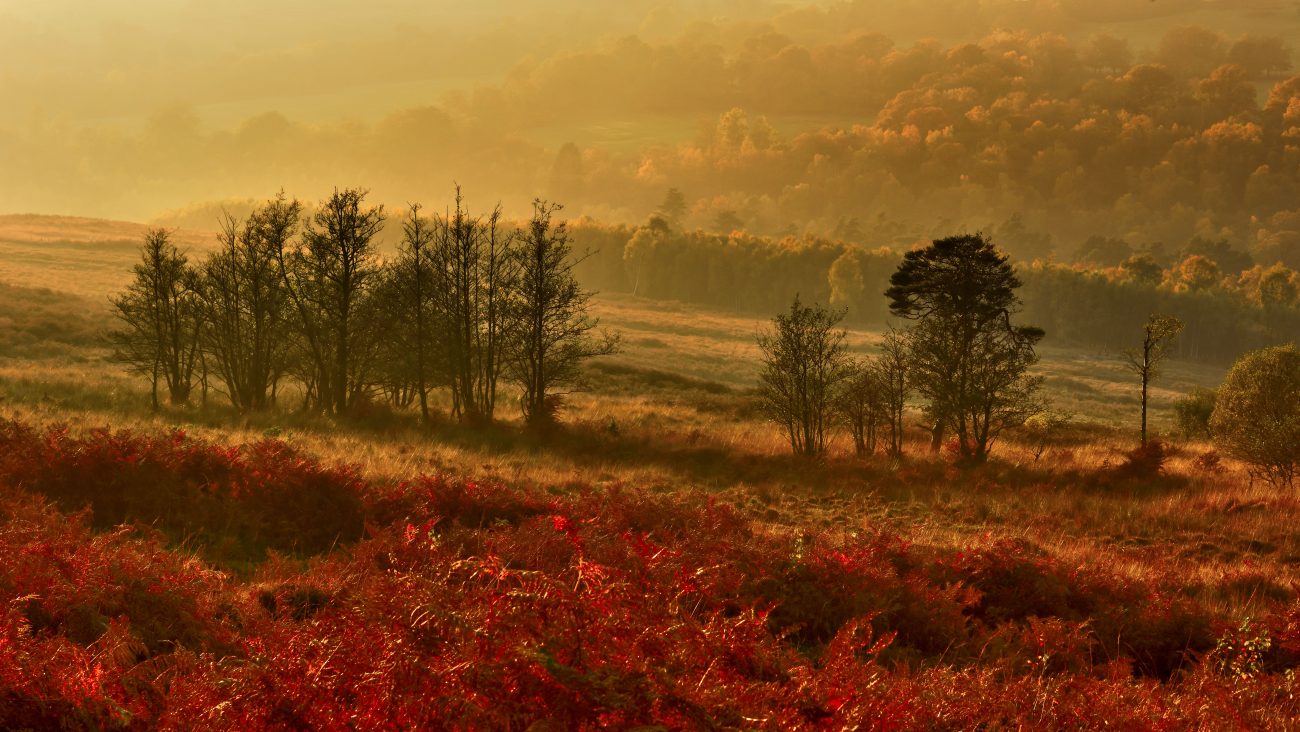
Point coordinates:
[(1257, 413), (1144, 461), (1208, 462), (1193, 412)]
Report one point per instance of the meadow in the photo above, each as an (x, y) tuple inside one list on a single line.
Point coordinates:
[(662, 563)]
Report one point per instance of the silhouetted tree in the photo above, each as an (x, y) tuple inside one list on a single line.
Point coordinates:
[(673, 207), (1262, 57), (804, 361), (328, 277), (1143, 269), (861, 404), (160, 319), (475, 273), (551, 329), (1104, 250), (891, 368), (409, 302), (967, 358), (727, 221), (248, 323), (1157, 335)]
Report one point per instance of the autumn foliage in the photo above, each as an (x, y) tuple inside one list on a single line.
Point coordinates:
[(473, 605)]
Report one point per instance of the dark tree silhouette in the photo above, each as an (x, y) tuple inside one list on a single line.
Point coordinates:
[(804, 361), (248, 326), (475, 273), (551, 330), (891, 368), (409, 305), (160, 319), (673, 207), (329, 277), (861, 404), (967, 358)]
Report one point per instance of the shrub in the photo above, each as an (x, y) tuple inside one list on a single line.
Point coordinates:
[(1208, 462), (1257, 413), (485, 606), (1193, 412), (235, 503), (1144, 461), (93, 626)]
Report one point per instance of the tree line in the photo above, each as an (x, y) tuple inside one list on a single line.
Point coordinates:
[(1227, 312), (468, 304)]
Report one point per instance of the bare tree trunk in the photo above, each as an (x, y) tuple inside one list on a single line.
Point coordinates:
[(153, 386), (936, 435), (1146, 372)]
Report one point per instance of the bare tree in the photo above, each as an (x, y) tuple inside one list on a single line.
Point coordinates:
[(160, 320), (552, 332), (408, 301), (474, 274), (891, 372), (329, 277), (1157, 336), (245, 306), (804, 361), (860, 403)]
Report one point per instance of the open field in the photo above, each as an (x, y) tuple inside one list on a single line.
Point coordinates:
[(87, 257), (673, 410), (1055, 591)]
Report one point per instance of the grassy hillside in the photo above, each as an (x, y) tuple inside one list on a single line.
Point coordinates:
[(87, 257)]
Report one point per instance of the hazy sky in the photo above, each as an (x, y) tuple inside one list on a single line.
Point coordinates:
[(91, 61), (98, 60)]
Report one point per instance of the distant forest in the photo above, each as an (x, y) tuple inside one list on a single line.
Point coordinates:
[(1041, 140), (1227, 311), (1052, 140)]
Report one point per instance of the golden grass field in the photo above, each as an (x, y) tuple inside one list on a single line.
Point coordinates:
[(673, 411)]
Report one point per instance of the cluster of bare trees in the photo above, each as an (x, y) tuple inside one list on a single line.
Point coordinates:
[(873, 397), (810, 384), (467, 304), (961, 353)]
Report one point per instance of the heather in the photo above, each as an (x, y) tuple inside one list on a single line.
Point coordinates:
[(478, 604)]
